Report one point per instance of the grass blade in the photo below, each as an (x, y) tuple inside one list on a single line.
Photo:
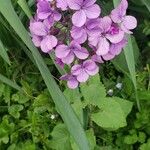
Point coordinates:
[(3, 53), (24, 5), (66, 111), (130, 60), (9, 82), (147, 4)]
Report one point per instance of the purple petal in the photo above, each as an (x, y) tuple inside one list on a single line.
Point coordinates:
[(79, 18), (97, 59), (76, 70), (119, 12), (103, 46), (92, 11), (62, 4), (108, 56), (115, 49), (57, 16), (105, 23), (73, 83), (88, 3), (81, 53), (115, 38), (75, 4), (83, 76), (129, 23), (62, 51), (37, 41), (91, 67), (68, 59), (43, 9), (48, 43), (38, 28)]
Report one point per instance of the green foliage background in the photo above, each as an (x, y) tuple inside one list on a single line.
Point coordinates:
[(36, 114)]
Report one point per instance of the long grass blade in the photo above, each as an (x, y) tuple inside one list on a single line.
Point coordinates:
[(65, 110), (24, 5), (9, 82), (130, 59), (147, 4), (3, 53)]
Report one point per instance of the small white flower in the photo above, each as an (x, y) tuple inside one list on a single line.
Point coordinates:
[(52, 116), (119, 86), (110, 92)]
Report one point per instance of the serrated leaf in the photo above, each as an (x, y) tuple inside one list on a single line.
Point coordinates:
[(14, 110), (60, 138), (111, 116), (93, 91)]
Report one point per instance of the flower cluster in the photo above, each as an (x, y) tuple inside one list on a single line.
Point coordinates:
[(79, 36)]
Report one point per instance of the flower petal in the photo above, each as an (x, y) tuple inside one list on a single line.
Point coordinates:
[(83, 76), (48, 43), (62, 51), (115, 38), (68, 59), (75, 4), (81, 53), (62, 4), (79, 18), (93, 11), (129, 22), (103, 47), (38, 28), (76, 70), (88, 3), (105, 23), (119, 12), (73, 83)]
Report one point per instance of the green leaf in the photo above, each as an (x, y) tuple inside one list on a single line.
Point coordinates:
[(23, 4), (125, 105), (147, 4), (9, 82), (14, 110), (67, 113), (91, 137), (111, 116), (3, 53), (97, 91), (60, 138)]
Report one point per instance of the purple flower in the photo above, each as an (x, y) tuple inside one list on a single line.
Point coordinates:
[(85, 9), (68, 53), (62, 4), (80, 34), (85, 70), (72, 82), (115, 49), (118, 15), (108, 32), (45, 11), (41, 37)]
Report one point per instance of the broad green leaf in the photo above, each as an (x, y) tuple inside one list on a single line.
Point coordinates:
[(62, 104), (93, 91), (111, 116), (60, 138), (125, 105), (3, 53)]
